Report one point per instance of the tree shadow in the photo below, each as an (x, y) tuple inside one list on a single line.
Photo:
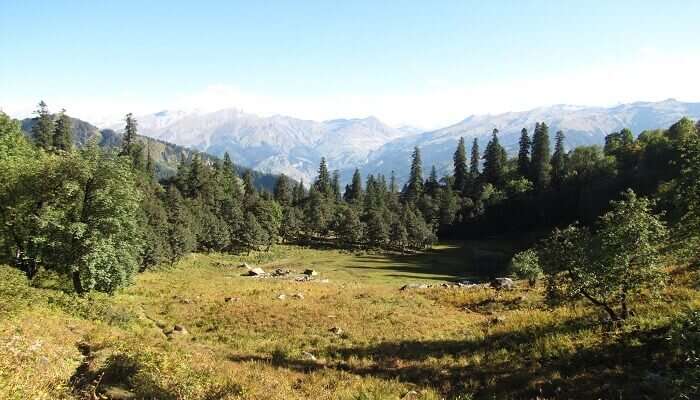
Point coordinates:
[(508, 367), (480, 260)]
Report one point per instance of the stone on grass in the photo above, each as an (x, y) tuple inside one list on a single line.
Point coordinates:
[(117, 393), (411, 395), (244, 265), (257, 271), (299, 296), (502, 283), (282, 296), (308, 356), (310, 272), (337, 330), (415, 286)]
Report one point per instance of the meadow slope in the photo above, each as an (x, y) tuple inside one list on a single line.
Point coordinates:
[(201, 330)]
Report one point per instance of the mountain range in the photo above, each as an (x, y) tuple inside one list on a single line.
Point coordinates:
[(283, 144)]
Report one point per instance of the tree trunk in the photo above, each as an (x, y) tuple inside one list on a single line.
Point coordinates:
[(77, 284), (613, 315)]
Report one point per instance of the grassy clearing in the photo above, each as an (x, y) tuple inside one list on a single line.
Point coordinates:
[(244, 342)]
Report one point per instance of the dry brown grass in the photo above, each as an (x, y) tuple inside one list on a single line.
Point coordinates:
[(438, 342)]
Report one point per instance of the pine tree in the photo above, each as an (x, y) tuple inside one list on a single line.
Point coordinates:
[(524, 154), (323, 181), (474, 162), (494, 161), (283, 191), (558, 161), (460, 167), (393, 186), (299, 193), (414, 188), (43, 129), (63, 135), (180, 237), (432, 185), (130, 145), (248, 184), (355, 193), (335, 186), (448, 207), (539, 165)]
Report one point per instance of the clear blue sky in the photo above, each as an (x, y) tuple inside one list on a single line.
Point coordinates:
[(156, 51)]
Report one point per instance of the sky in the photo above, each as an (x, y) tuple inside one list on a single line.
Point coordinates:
[(421, 63)]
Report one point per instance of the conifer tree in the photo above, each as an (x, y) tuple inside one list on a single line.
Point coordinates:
[(299, 193), (474, 162), (432, 185), (282, 191), (43, 129), (335, 186), (558, 161), (494, 161), (460, 167), (130, 146), (414, 188), (355, 193), (63, 135), (393, 186), (524, 154), (323, 181), (248, 184), (539, 165)]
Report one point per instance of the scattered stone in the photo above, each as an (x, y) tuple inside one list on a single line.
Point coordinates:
[(179, 328), (244, 265), (282, 296), (186, 301), (304, 278), (415, 286), (308, 356), (281, 272), (310, 272), (299, 296), (411, 395), (502, 283), (337, 330), (256, 272), (117, 393), (497, 320), (229, 299)]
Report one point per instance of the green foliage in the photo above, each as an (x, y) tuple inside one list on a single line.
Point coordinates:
[(461, 175), (613, 264), (558, 161), (62, 138), (524, 153), (414, 188), (540, 173), (526, 265), (494, 161), (43, 130)]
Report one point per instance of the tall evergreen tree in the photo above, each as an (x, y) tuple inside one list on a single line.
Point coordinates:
[(130, 145), (393, 185), (283, 191), (558, 161), (414, 188), (248, 184), (299, 193), (460, 167), (355, 193), (474, 162), (539, 165), (494, 161), (524, 154), (43, 129), (432, 185), (335, 185), (63, 132), (323, 181)]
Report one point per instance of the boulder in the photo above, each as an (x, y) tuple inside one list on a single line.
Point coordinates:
[(502, 283), (257, 271), (415, 286), (308, 356), (299, 296), (282, 296), (281, 272), (337, 330), (310, 272)]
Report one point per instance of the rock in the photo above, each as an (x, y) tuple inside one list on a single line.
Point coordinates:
[(502, 283), (281, 272), (304, 278), (411, 395), (256, 272), (310, 272), (308, 356), (497, 320), (337, 330), (415, 286), (179, 328), (282, 296), (117, 393), (299, 296), (228, 299), (244, 265), (186, 301)]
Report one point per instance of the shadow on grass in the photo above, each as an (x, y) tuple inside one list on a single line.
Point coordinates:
[(508, 367), (482, 260)]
